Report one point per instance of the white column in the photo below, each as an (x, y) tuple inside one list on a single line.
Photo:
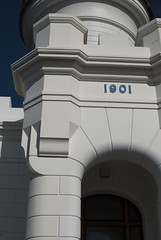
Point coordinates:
[(54, 205)]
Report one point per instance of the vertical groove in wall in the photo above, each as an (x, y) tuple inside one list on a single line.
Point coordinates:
[(153, 139), (59, 184), (58, 233), (108, 123), (89, 141), (151, 143), (58, 218), (132, 125)]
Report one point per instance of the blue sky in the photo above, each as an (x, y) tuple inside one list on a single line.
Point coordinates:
[(156, 8), (12, 47)]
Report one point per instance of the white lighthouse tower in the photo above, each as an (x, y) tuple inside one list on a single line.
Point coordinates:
[(91, 132)]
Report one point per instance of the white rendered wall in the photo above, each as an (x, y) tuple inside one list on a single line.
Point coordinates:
[(111, 17), (101, 18), (13, 173), (129, 181), (72, 122)]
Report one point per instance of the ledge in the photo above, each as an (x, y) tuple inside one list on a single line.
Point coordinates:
[(78, 64)]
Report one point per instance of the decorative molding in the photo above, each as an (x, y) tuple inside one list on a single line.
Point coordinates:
[(83, 67), (76, 63), (54, 147), (148, 29), (11, 131), (139, 104), (59, 18)]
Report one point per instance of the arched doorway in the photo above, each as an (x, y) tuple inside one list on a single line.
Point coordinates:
[(110, 217), (135, 187)]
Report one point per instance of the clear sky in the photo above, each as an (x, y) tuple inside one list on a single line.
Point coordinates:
[(12, 47)]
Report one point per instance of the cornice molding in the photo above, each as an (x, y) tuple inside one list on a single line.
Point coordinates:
[(56, 18), (83, 102), (11, 131), (41, 61), (148, 28), (78, 64), (11, 125)]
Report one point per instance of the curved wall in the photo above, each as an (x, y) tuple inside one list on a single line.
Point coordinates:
[(112, 17), (129, 181)]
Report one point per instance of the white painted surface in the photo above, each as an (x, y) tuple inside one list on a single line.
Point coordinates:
[(47, 226), (56, 166), (69, 226), (130, 16), (81, 149), (120, 123), (95, 123), (44, 185), (54, 206), (144, 129), (13, 173), (72, 127), (70, 186)]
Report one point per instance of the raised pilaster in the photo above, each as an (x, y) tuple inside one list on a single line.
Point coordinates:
[(51, 118)]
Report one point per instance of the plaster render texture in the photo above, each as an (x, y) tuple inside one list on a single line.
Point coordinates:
[(91, 121), (13, 173)]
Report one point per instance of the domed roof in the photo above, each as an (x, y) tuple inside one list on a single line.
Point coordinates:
[(33, 10), (144, 2)]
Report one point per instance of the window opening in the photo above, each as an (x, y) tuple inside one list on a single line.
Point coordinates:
[(108, 217)]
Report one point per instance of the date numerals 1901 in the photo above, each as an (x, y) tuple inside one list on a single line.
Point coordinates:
[(112, 88)]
